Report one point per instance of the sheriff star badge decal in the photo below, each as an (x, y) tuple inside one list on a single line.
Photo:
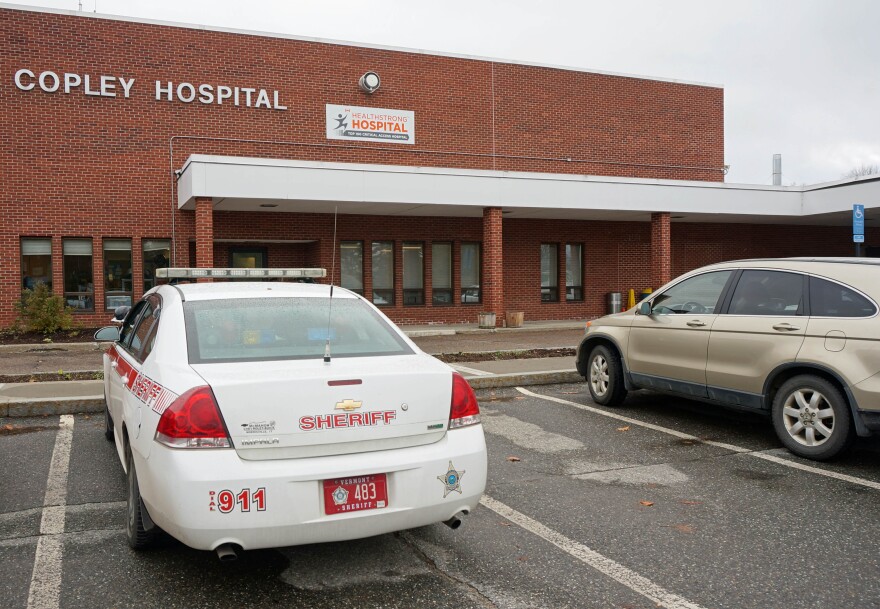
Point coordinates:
[(451, 480)]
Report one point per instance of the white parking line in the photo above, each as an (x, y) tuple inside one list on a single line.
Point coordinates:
[(603, 564), (45, 587), (731, 447), (471, 371)]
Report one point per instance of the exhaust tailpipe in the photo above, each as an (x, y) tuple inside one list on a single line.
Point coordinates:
[(226, 552), (454, 522)]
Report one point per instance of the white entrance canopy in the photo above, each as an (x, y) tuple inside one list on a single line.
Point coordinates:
[(254, 184)]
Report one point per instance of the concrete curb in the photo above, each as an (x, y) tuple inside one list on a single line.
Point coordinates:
[(91, 346), (52, 406), (550, 377)]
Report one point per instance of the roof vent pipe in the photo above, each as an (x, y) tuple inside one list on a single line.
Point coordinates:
[(777, 170)]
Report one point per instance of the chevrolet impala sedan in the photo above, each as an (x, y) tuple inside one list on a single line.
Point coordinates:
[(262, 414)]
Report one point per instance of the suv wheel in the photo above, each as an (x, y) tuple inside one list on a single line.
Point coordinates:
[(812, 418), (605, 376)]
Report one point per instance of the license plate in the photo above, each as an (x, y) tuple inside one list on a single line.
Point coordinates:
[(355, 494)]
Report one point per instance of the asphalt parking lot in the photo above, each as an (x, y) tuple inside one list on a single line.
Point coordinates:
[(663, 502)]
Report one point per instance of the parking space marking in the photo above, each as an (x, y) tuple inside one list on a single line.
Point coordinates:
[(45, 587), (603, 564), (527, 435), (471, 371), (731, 447)]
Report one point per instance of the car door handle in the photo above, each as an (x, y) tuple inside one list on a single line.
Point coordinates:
[(786, 327), (114, 364), (124, 379), (696, 323)]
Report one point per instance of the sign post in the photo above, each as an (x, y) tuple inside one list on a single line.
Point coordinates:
[(858, 227)]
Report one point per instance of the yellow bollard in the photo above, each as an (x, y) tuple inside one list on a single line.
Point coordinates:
[(631, 299)]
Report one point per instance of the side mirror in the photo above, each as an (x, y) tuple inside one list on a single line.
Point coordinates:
[(644, 308), (107, 333)]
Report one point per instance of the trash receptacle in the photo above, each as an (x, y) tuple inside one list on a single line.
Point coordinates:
[(615, 302)]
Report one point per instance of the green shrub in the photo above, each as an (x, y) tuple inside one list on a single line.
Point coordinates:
[(41, 311)]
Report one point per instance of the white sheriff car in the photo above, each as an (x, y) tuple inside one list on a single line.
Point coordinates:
[(238, 430)]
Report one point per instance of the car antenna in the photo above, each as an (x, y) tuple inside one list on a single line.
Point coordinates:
[(332, 273)]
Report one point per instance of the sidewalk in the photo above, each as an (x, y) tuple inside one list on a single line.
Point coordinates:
[(65, 397)]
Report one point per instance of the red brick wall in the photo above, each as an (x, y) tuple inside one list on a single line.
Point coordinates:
[(73, 165)]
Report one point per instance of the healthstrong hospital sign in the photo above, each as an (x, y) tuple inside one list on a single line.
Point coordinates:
[(343, 122), (376, 124)]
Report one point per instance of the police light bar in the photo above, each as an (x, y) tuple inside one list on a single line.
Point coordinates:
[(186, 273)]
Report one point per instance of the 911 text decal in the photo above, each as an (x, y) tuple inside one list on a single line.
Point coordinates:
[(226, 501)]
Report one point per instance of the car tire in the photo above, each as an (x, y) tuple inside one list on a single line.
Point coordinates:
[(605, 376), (812, 418), (138, 536), (108, 422)]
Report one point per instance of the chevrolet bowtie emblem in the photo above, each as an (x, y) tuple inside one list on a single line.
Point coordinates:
[(348, 405)]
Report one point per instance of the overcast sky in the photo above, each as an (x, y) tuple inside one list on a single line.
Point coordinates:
[(801, 77)]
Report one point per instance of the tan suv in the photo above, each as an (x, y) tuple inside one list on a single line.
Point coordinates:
[(797, 338)]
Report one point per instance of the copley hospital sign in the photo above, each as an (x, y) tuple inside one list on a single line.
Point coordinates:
[(118, 86)]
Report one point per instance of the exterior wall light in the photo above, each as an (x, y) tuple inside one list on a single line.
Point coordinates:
[(369, 82)]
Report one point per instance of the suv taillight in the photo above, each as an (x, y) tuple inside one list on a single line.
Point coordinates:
[(193, 420), (465, 410)]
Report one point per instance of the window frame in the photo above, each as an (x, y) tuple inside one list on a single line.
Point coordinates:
[(104, 260), (263, 251), (49, 283), (579, 286), (554, 288), (392, 290), (466, 291), (144, 265), (87, 296), (360, 243), (451, 289), (418, 292)]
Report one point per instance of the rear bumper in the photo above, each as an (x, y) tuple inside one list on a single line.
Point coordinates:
[(180, 488)]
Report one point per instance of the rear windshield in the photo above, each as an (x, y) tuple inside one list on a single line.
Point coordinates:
[(263, 329)]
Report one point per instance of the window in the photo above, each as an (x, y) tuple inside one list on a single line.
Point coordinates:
[(695, 296), (574, 271), (36, 263), (470, 273), (145, 332), (79, 286), (130, 322), (383, 273), (248, 258), (768, 293), (829, 299), (351, 265), (549, 272), (413, 273), (157, 255), (441, 273), (266, 329), (117, 273)]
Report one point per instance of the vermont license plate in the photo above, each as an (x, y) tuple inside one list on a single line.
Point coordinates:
[(355, 494)]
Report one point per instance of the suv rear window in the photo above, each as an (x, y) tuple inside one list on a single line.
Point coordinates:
[(263, 329), (829, 299)]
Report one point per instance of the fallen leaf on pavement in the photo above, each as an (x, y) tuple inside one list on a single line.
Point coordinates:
[(684, 528), (647, 503), (569, 392), (7, 427), (504, 524), (624, 428), (686, 502), (513, 459)]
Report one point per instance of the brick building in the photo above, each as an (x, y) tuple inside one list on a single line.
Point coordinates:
[(462, 184)]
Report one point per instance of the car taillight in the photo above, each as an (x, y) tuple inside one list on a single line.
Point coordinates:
[(465, 410), (193, 421)]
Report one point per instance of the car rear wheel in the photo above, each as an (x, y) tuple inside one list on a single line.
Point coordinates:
[(138, 536), (812, 418), (605, 376)]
